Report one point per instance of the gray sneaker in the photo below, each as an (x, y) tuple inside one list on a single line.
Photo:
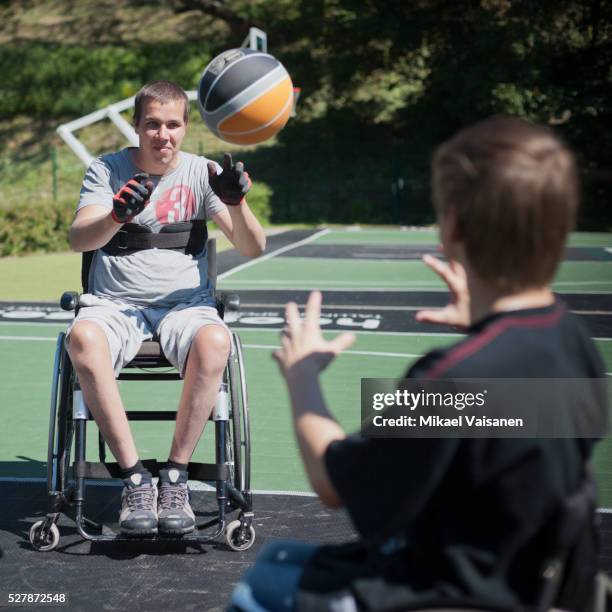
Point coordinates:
[(175, 516), (138, 506)]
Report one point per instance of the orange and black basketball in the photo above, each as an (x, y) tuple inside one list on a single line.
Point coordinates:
[(245, 96)]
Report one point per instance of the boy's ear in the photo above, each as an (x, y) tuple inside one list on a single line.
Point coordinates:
[(450, 237), (449, 226), (457, 237)]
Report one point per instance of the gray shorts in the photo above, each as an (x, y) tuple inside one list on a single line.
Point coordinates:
[(127, 326)]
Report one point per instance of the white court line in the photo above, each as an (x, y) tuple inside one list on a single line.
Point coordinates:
[(376, 353), (249, 346), (355, 331), (356, 261), (50, 324), (315, 282), (34, 338), (274, 347), (591, 282), (351, 285), (378, 333), (267, 256), (279, 329)]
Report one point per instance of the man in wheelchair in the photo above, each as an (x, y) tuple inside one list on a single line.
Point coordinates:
[(142, 215)]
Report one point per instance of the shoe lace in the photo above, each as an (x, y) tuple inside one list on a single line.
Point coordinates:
[(172, 495), (140, 498)]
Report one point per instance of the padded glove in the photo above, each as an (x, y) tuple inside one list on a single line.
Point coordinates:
[(232, 184), (132, 198)]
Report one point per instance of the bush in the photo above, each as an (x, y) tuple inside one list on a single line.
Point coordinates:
[(259, 199), (40, 226)]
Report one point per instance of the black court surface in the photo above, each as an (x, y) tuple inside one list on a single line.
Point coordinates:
[(165, 575)]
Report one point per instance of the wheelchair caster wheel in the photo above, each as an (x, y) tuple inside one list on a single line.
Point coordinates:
[(239, 537), (44, 544)]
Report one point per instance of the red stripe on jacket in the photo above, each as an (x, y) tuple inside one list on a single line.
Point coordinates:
[(470, 347)]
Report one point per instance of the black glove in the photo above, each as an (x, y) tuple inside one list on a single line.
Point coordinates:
[(132, 198), (232, 184)]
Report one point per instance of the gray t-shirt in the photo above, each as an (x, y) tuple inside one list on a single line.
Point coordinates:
[(153, 277)]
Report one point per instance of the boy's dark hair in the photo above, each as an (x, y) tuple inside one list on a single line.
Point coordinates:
[(514, 188), (162, 91)]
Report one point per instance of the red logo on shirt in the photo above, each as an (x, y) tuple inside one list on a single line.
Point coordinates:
[(175, 205)]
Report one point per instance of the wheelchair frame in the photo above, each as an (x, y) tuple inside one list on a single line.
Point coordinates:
[(68, 418)]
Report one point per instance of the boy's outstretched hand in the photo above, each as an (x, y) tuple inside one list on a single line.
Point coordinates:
[(304, 350), (457, 311)]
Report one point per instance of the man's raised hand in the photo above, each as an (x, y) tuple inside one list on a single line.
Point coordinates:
[(131, 199), (232, 184)]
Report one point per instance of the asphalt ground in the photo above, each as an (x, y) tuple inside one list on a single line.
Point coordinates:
[(162, 575)]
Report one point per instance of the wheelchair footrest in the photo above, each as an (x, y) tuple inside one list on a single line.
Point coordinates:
[(197, 471), (202, 533)]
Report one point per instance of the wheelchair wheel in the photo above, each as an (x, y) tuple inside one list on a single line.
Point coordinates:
[(238, 537), (60, 420), (61, 426), (44, 542), (239, 438), (65, 431)]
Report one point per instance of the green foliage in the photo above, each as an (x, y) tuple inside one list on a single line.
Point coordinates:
[(259, 199), (46, 81), (35, 226), (383, 83)]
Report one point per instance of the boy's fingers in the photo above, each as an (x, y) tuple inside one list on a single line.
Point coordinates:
[(313, 310), (342, 342), (292, 315), (285, 343), (432, 316), (458, 269), (443, 270)]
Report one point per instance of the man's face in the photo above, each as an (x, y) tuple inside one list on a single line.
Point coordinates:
[(161, 129)]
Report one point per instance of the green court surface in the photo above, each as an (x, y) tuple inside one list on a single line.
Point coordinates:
[(355, 274), (358, 235), (306, 273), (27, 349), (389, 236)]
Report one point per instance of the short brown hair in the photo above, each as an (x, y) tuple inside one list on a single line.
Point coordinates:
[(162, 91), (514, 187)]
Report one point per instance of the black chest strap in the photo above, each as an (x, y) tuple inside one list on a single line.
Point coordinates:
[(188, 237)]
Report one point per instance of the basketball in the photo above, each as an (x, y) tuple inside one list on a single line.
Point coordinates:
[(245, 96)]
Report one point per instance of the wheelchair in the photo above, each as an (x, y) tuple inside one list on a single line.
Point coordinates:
[(68, 468)]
